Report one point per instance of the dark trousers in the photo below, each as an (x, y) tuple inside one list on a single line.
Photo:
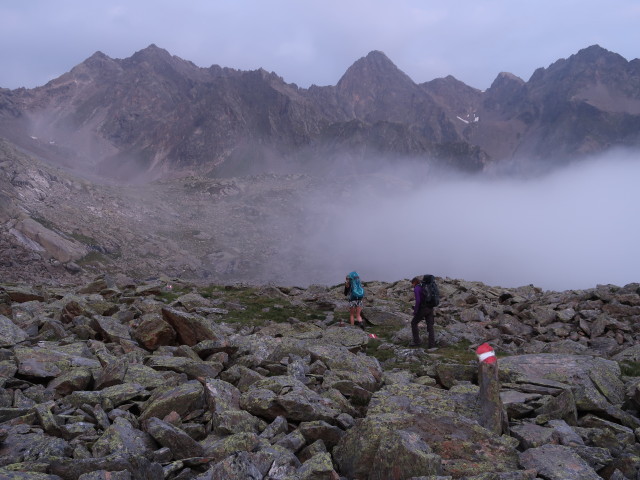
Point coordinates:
[(425, 313)]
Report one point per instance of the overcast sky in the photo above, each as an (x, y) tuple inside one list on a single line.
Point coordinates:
[(315, 41)]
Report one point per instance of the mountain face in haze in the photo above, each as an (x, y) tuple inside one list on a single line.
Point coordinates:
[(154, 115)]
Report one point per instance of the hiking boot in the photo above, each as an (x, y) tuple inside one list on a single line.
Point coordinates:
[(361, 325), (415, 344)]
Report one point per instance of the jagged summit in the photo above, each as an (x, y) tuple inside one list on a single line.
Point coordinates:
[(150, 53), (375, 68), (588, 62)]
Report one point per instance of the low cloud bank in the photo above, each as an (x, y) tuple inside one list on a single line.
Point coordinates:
[(573, 229)]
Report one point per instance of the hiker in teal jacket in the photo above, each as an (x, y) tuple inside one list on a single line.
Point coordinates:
[(354, 290)]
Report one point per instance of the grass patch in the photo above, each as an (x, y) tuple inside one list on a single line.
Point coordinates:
[(93, 258), (460, 352), (169, 296), (45, 223), (84, 239), (372, 349), (179, 234), (211, 291), (630, 369), (246, 306)]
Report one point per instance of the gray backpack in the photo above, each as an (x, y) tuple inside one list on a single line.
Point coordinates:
[(430, 295)]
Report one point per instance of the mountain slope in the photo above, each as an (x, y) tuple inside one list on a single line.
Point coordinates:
[(154, 115)]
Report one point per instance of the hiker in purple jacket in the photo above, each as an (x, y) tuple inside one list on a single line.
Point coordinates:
[(421, 312)]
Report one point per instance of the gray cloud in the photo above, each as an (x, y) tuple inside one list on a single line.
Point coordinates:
[(572, 229)]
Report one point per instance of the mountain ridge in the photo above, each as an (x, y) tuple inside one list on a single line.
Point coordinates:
[(155, 115)]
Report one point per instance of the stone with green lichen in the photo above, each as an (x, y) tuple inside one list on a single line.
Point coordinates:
[(299, 330), (172, 437), (464, 446), (145, 376), (193, 369), (404, 454), (340, 358), (126, 392), (319, 430), (80, 397), (576, 371), (192, 301), (190, 328), (122, 437), (284, 395), (22, 293), (10, 333), (27, 471), (52, 360), (182, 399), (318, 467), (71, 380), (448, 374), (153, 331), (218, 448), (228, 422), (221, 395), (350, 382)]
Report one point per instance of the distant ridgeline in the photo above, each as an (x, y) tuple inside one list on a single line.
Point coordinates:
[(155, 115)]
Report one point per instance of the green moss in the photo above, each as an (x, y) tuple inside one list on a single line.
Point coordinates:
[(372, 349), (630, 369), (84, 239), (93, 258), (460, 352), (178, 234), (211, 291), (247, 306), (44, 222), (168, 297)]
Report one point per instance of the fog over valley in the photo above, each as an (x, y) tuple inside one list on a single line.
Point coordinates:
[(571, 229), (390, 219)]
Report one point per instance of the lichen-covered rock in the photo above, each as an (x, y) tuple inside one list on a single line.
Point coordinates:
[(219, 448), (51, 359), (153, 331), (190, 328), (122, 437), (557, 462), (318, 467), (464, 447), (10, 333), (286, 396), (598, 378), (173, 438), (182, 399), (21, 445)]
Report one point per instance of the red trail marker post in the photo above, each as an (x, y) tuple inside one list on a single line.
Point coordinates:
[(493, 415)]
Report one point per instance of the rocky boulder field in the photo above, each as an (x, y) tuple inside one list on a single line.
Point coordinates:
[(117, 379)]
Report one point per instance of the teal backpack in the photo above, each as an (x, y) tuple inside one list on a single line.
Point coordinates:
[(357, 292)]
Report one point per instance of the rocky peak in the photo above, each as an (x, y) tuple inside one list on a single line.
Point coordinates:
[(374, 89), (506, 78), (160, 62), (506, 89), (589, 65), (454, 96), (152, 53), (373, 73), (96, 67)]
